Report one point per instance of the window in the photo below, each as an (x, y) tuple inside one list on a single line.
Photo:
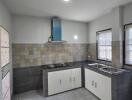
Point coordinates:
[(128, 44), (104, 47)]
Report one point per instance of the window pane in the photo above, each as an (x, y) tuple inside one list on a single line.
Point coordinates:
[(129, 35), (108, 38), (128, 44), (128, 48), (101, 52), (101, 39), (129, 57), (108, 53), (104, 45)]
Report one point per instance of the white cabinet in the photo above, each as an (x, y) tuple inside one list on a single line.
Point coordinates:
[(54, 82), (89, 80), (98, 84), (5, 84), (76, 78), (4, 60), (8, 95), (60, 81), (106, 87)]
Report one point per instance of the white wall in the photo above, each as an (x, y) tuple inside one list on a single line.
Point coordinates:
[(127, 12), (110, 20), (115, 20), (27, 29), (30, 29), (72, 28), (5, 18), (102, 23), (5, 21)]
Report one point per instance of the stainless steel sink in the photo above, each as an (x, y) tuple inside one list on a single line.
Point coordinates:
[(112, 70), (106, 68), (97, 65)]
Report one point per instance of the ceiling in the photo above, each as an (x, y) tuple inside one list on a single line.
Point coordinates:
[(78, 10)]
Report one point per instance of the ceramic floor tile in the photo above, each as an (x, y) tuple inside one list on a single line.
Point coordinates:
[(78, 94)]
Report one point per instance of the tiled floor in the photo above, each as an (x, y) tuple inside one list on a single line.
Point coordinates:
[(78, 94)]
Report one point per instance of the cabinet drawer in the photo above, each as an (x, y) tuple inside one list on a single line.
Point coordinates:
[(5, 84), (4, 56), (4, 38), (8, 95)]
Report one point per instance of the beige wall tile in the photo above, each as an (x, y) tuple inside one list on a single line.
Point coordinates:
[(25, 55)]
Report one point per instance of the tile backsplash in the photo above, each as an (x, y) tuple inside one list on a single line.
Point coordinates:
[(25, 55)]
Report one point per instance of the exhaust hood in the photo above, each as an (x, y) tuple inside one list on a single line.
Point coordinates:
[(56, 30)]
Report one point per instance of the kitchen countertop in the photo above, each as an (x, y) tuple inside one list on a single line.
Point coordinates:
[(82, 64)]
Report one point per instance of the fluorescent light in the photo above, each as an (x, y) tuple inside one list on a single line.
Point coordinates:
[(75, 37)]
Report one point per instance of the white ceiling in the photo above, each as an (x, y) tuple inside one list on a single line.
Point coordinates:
[(79, 10)]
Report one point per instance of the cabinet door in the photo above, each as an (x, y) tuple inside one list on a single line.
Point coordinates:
[(105, 87), (76, 78), (103, 84), (8, 95), (5, 84), (4, 38), (54, 82), (89, 80), (66, 79), (97, 84)]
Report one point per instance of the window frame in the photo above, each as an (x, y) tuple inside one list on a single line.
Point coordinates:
[(97, 33), (124, 45)]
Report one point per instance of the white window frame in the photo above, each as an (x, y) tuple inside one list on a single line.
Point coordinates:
[(106, 43), (128, 44)]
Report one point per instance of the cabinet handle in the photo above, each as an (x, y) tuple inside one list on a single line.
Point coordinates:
[(92, 83), (70, 79), (74, 79), (95, 85), (60, 82)]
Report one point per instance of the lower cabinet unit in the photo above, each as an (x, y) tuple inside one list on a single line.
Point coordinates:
[(98, 84), (64, 80), (8, 95), (6, 86)]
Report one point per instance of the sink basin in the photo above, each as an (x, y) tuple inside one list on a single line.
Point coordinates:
[(97, 65), (111, 70)]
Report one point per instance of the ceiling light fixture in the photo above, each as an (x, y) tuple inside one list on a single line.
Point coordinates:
[(66, 1), (75, 37)]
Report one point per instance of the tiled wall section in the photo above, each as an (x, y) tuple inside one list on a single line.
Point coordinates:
[(92, 51), (25, 55), (116, 56), (26, 79)]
